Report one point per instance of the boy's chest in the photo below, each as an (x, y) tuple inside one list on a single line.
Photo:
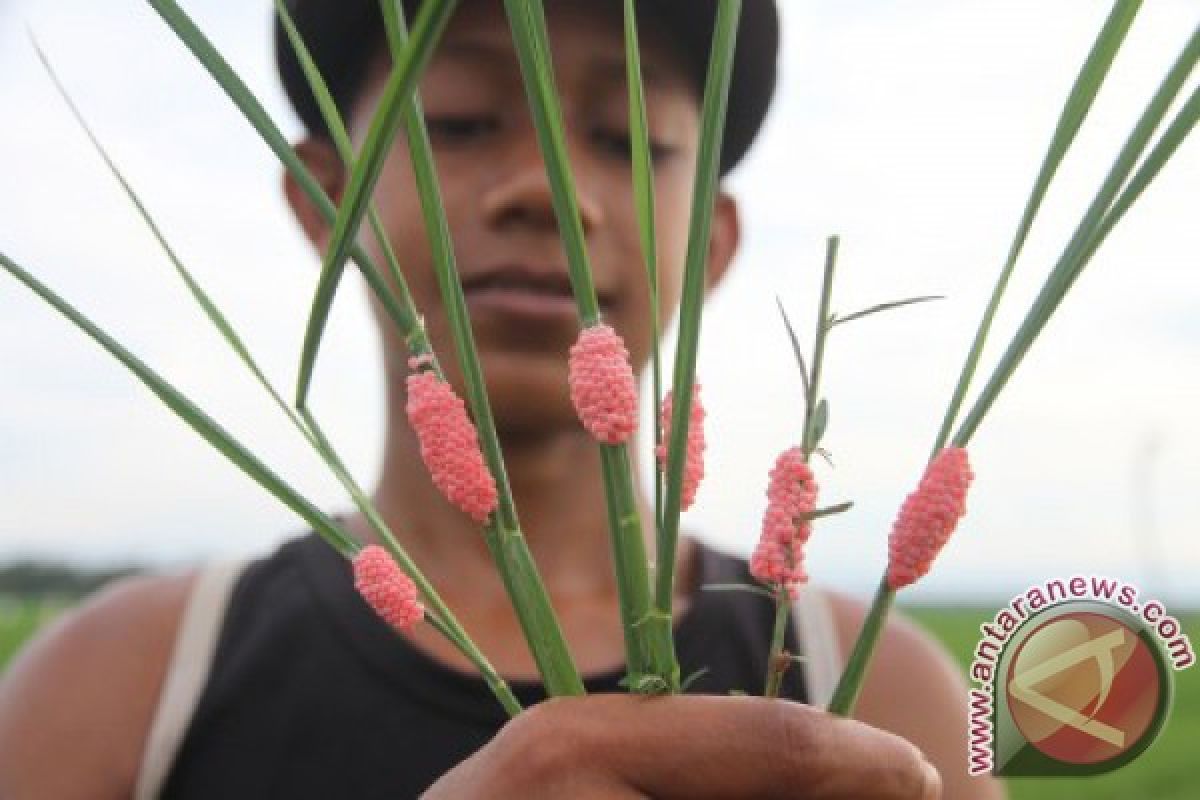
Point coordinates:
[(592, 629)]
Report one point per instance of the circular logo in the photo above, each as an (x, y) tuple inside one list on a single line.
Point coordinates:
[(1087, 688)]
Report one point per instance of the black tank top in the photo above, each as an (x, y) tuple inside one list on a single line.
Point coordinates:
[(312, 696)]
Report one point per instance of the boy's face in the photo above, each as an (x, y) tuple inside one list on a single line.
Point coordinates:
[(498, 199)]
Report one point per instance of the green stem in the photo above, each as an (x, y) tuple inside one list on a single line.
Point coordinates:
[(643, 193), (440, 613), (502, 533), (642, 627), (1098, 220), (536, 615), (824, 323), (777, 663), (850, 684), (695, 275), (497, 684), (307, 427), (531, 603), (648, 642), (659, 475), (528, 23)]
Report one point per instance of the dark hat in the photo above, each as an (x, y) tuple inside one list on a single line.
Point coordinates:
[(343, 35)]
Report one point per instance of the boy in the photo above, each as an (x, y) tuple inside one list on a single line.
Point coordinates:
[(279, 681)]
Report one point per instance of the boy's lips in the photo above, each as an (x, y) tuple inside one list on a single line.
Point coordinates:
[(512, 301), (524, 290)]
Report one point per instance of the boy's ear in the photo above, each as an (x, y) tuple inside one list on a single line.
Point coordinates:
[(322, 160), (724, 238)]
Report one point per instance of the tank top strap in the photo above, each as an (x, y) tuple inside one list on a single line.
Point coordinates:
[(191, 660), (815, 629)]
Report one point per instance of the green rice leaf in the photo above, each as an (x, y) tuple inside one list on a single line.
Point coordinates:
[(649, 647), (712, 130), (412, 331), (210, 309), (1102, 215), (208, 428), (528, 22), (341, 138), (639, 141), (431, 23), (1097, 222), (643, 199), (316, 82), (439, 614), (1079, 102), (1166, 146), (246, 102), (503, 532)]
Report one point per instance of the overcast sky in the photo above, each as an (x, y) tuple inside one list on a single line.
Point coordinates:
[(912, 129)]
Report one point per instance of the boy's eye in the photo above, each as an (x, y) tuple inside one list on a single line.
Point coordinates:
[(619, 143), (454, 128)]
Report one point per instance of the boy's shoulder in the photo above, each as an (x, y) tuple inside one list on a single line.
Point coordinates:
[(95, 677), (86, 689)]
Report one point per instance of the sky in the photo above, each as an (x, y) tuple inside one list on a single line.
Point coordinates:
[(913, 130)]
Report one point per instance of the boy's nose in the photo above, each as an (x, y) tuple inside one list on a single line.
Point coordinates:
[(523, 197)]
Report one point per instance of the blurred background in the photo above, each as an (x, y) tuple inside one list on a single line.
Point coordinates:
[(913, 130)]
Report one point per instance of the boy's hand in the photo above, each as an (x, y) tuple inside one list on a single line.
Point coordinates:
[(621, 747)]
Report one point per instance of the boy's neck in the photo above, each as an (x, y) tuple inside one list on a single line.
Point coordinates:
[(556, 483), (558, 490)]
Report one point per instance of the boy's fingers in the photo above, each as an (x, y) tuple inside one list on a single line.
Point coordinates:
[(698, 748), (743, 747)]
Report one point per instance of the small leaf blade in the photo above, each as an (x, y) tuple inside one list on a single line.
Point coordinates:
[(866, 312), (798, 351)]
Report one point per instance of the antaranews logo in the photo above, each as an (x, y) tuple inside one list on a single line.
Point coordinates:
[(1073, 677)]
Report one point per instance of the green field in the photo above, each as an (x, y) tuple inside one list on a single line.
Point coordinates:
[(18, 620), (1170, 770)]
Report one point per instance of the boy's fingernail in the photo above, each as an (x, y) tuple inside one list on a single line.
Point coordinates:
[(933, 782)]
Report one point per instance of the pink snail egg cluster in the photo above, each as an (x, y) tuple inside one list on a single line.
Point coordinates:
[(603, 388), (450, 445), (928, 517), (791, 494), (693, 464), (386, 588)]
